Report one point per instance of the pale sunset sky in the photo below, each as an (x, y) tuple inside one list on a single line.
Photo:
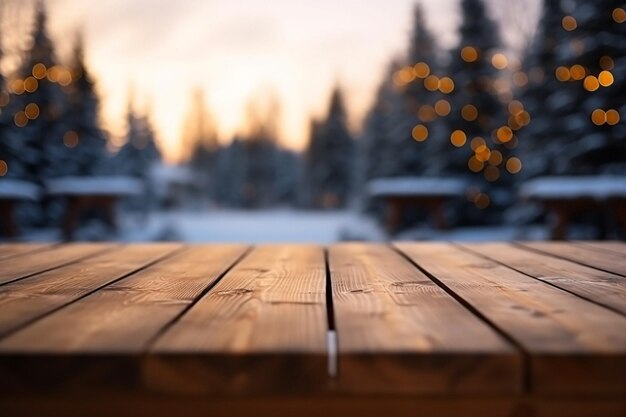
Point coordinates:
[(233, 49)]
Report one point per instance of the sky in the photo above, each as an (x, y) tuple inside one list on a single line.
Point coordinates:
[(234, 49)]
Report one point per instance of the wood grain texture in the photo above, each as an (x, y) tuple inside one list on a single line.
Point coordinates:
[(25, 266), (399, 332), (25, 300), (17, 249), (598, 286), (611, 246), (574, 345), (122, 317), (262, 328), (99, 340), (603, 260)]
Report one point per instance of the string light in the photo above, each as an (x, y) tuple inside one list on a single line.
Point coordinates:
[(569, 23), (442, 107), (469, 54), (458, 138), (420, 133)]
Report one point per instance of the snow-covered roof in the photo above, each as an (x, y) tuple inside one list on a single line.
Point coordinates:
[(596, 187), (117, 186), (18, 190), (416, 186)]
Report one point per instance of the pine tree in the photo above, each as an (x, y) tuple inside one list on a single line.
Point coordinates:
[(330, 157), (85, 140), (596, 43), (36, 104), (139, 152), (545, 98), (476, 110)]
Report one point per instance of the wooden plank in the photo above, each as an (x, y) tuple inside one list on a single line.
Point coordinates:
[(595, 285), (27, 299), (574, 345), (399, 332), (18, 249), (605, 261), (154, 405), (25, 266), (611, 246), (100, 338), (261, 329)]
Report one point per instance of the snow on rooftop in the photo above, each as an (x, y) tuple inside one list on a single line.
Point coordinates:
[(18, 190), (416, 186), (597, 187), (116, 186)]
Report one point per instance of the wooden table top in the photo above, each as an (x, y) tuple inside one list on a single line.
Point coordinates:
[(406, 319)]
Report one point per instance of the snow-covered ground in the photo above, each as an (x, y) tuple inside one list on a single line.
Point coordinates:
[(274, 226), (269, 226)]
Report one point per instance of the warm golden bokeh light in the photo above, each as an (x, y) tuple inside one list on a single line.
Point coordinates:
[(20, 119), (598, 117), (499, 61), (446, 85), (514, 165), (504, 134), (31, 84), (421, 70), (612, 117), (442, 107), (495, 158), (591, 83), (70, 139), (563, 74), (32, 111), (619, 15), (39, 71), (458, 138), (482, 153), (431, 83), (469, 112), (477, 142), (515, 107), (475, 165), (569, 23), (605, 78), (578, 72), (4, 168), (420, 133), (469, 54), (426, 113)]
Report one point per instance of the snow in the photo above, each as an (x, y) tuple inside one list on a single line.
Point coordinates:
[(118, 186), (597, 187), (263, 226), (18, 190), (416, 186)]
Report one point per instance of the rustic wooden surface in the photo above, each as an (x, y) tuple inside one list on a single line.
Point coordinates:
[(493, 329)]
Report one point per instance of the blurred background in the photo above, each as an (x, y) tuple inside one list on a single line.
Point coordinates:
[(284, 121)]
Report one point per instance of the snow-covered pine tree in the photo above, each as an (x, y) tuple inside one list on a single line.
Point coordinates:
[(36, 103), (84, 139), (476, 109), (547, 100), (330, 157), (595, 43), (139, 152)]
